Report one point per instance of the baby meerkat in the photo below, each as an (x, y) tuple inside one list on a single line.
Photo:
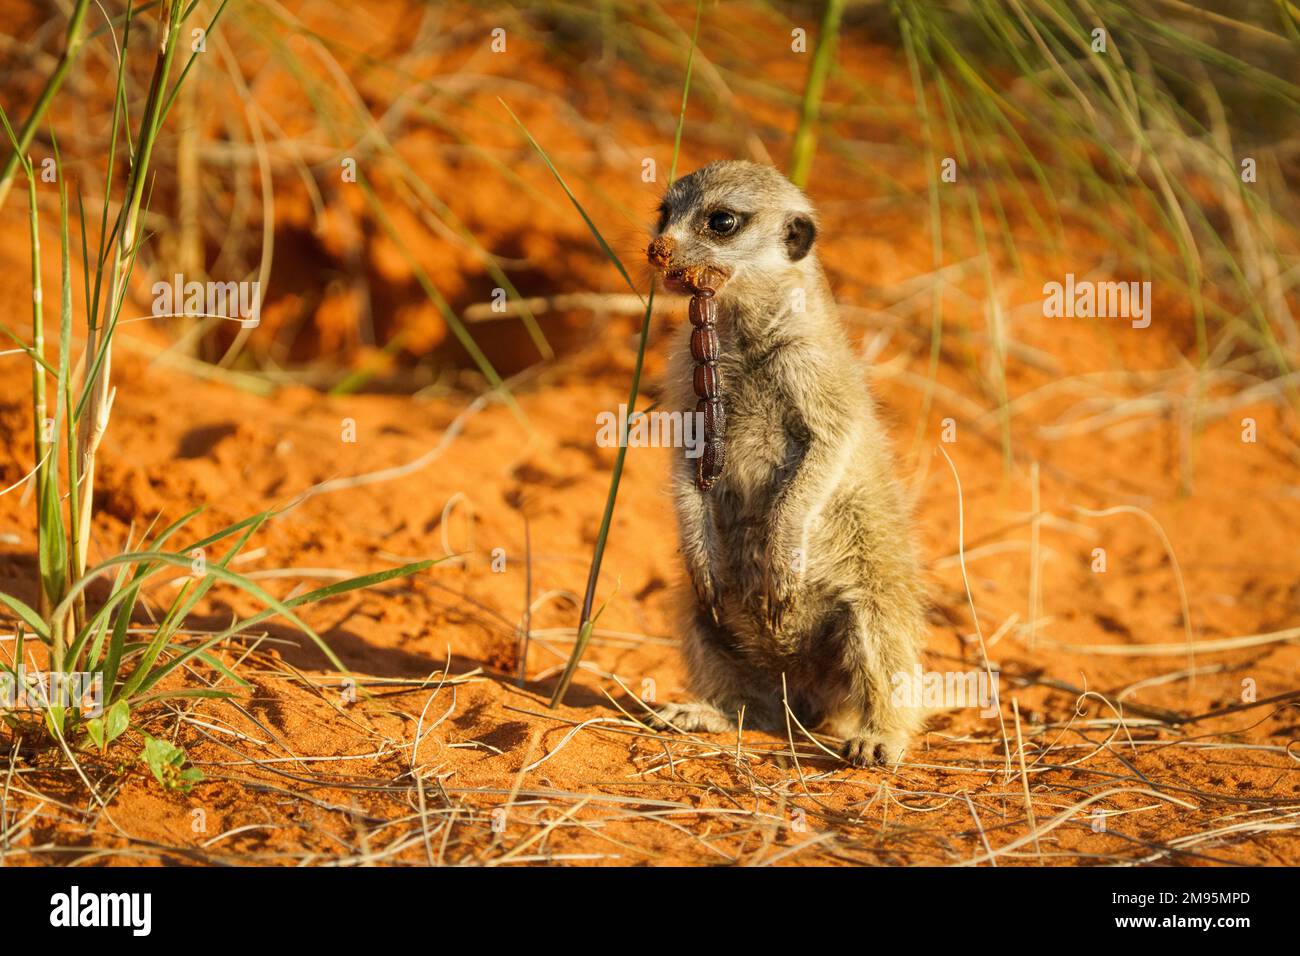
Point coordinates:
[(804, 581)]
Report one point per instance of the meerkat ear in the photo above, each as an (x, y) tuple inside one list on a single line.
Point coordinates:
[(799, 235)]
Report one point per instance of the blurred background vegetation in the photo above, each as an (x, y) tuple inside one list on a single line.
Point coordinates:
[(374, 283)]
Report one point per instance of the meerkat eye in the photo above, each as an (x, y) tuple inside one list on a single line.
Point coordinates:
[(663, 217), (723, 222)]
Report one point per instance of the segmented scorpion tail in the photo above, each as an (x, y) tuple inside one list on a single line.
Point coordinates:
[(704, 350)]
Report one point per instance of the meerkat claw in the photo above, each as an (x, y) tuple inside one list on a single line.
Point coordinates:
[(774, 602), (706, 598), (774, 611), (690, 717)]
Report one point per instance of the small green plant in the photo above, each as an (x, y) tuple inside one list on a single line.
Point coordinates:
[(166, 762), (104, 730)]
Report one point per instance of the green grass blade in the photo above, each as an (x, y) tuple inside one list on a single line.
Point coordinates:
[(805, 137), (72, 45), (586, 623), (605, 247), (27, 614), (320, 594)]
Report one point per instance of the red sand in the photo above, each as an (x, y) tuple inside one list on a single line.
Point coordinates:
[(295, 773)]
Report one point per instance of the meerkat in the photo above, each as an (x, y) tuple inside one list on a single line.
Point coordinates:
[(804, 585)]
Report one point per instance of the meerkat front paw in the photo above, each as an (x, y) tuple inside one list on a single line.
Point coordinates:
[(869, 750), (783, 568), (691, 717), (778, 590)]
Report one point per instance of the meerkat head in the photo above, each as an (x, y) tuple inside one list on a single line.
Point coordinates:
[(732, 223)]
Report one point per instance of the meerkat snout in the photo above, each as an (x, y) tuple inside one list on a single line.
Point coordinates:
[(660, 252)]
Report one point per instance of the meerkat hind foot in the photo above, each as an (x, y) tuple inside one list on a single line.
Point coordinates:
[(868, 750), (691, 717)]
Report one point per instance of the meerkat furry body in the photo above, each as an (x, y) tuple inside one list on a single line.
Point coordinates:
[(800, 561)]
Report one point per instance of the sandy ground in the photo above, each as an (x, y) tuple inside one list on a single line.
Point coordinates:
[(1115, 740)]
